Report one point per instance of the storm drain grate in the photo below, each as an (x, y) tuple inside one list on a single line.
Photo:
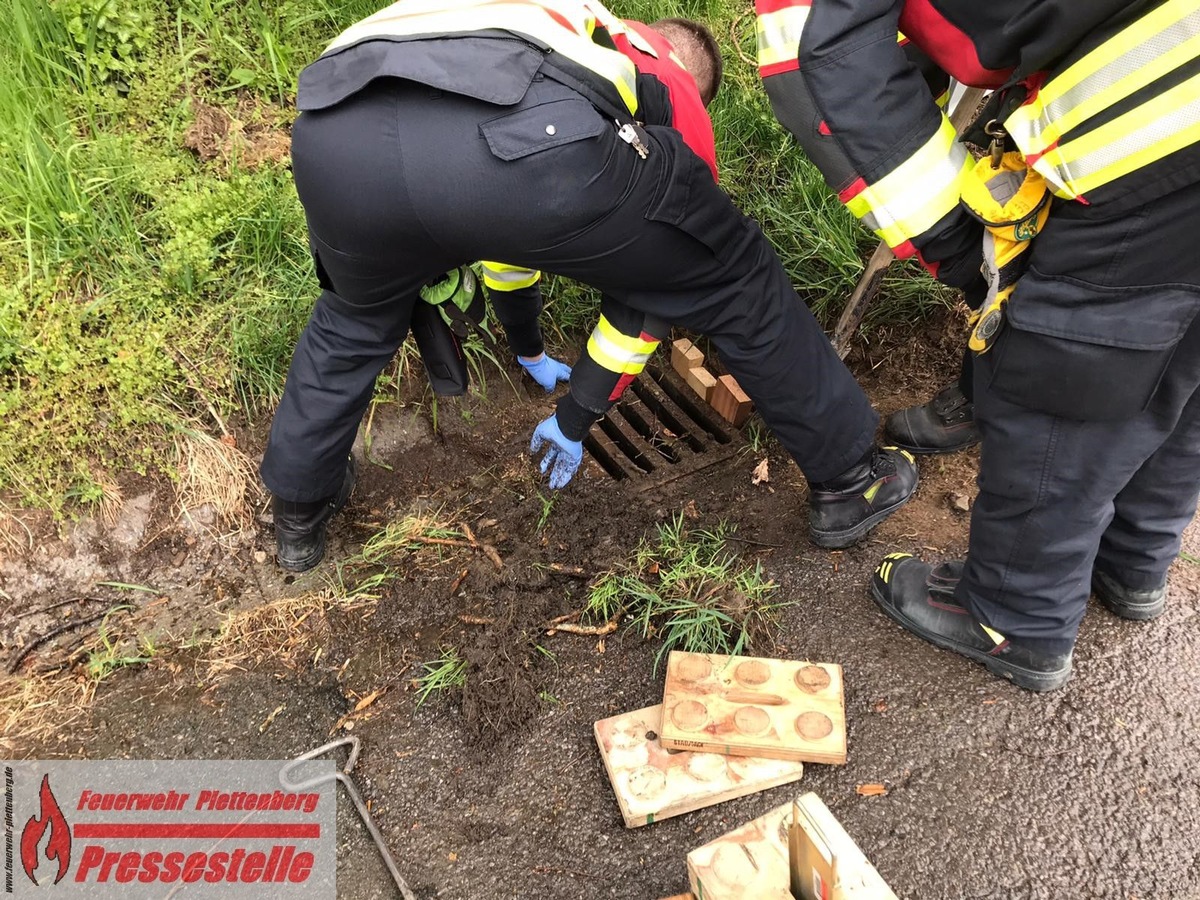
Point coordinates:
[(659, 431)]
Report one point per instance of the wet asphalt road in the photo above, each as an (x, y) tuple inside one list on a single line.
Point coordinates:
[(1089, 792)]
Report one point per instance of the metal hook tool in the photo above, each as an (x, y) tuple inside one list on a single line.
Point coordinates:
[(343, 776)]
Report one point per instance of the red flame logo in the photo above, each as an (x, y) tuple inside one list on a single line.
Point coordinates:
[(58, 847)]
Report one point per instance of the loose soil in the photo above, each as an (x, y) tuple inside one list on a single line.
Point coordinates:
[(497, 790)]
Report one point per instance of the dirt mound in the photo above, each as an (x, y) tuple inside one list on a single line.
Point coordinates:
[(256, 134)]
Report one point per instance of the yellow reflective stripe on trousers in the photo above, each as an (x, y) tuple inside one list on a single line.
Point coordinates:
[(617, 352), (1157, 128), (503, 277), (1139, 55), (779, 35), (544, 23), (910, 199)]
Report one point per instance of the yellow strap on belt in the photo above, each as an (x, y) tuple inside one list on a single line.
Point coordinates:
[(1013, 203)]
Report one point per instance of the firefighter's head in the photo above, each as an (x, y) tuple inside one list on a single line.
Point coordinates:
[(698, 51)]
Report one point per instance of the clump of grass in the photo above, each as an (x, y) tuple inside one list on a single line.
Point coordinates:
[(215, 474), (446, 673), (365, 575), (111, 655), (686, 587), (35, 708)]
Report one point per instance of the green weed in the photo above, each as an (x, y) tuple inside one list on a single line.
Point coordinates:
[(446, 673), (547, 508), (112, 655), (687, 588)]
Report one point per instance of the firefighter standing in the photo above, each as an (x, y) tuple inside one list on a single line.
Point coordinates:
[(437, 132), (1087, 396)]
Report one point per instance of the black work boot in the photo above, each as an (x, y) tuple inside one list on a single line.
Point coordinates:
[(841, 511), (300, 527), (1127, 603), (943, 425), (921, 599)]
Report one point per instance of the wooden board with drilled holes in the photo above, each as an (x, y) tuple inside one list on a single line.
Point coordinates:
[(731, 401), (746, 706), (749, 863), (703, 382), (685, 356), (653, 783), (816, 834)]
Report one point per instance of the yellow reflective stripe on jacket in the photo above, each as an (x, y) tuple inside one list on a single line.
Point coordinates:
[(1157, 128), (910, 199), (621, 353), (779, 35), (503, 277), (1151, 47), (563, 25)]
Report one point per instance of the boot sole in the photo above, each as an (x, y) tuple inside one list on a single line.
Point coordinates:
[(1025, 678), (1135, 612), (314, 559), (839, 540)]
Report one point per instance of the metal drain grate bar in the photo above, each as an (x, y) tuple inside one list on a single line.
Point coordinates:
[(660, 431)]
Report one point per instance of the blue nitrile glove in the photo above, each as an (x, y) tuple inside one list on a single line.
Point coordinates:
[(546, 370), (563, 456)]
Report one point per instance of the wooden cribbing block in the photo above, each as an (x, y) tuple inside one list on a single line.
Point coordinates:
[(745, 706), (750, 863), (685, 356), (652, 784), (702, 382), (731, 401), (825, 862)]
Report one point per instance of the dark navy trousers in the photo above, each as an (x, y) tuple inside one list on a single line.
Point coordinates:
[(401, 182), (1089, 409)]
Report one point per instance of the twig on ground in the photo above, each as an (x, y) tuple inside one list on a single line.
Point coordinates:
[(50, 635), (46, 609), (607, 628), (734, 34), (458, 582), (468, 619), (488, 550), (572, 571)]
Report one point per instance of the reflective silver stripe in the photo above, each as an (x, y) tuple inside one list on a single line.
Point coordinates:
[(910, 199), (511, 274), (1043, 122), (1172, 121), (779, 34)]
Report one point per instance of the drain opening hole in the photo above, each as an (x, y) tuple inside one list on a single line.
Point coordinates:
[(601, 455), (651, 431), (681, 429), (626, 445)]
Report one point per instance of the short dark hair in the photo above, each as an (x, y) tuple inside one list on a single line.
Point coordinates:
[(699, 52)]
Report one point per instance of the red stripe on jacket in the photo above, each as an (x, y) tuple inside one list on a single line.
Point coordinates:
[(947, 45)]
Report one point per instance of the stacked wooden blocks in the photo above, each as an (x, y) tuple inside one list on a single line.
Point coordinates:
[(797, 851), (724, 394), (730, 726)]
